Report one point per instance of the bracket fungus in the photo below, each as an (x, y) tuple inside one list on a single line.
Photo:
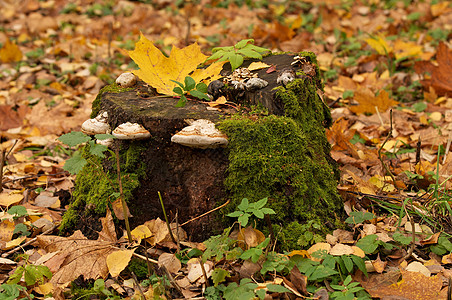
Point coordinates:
[(287, 75), (98, 125), (126, 80), (200, 134), (131, 131)]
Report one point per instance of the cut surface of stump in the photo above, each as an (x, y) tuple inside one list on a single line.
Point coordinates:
[(281, 154)]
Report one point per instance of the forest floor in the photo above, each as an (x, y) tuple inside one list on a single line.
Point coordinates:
[(387, 70)]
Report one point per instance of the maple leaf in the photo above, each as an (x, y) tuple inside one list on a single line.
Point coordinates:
[(78, 255), (10, 52), (441, 75), (379, 44), (159, 71), (368, 102)]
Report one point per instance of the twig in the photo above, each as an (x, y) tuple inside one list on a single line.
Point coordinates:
[(413, 241), (121, 195), (379, 116), (418, 152), (166, 219), (2, 163), (449, 140), (204, 273), (177, 232), (6, 254), (172, 281), (206, 213), (138, 285), (381, 147)]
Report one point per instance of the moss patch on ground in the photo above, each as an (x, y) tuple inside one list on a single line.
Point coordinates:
[(285, 158), (96, 185)]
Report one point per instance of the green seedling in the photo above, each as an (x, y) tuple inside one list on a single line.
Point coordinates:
[(189, 86)]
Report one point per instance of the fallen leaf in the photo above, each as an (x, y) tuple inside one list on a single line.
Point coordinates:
[(170, 261), (257, 65), (8, 199), (369, 103), (117, 261), (441, 74), (341, 249), (416, 266), (10, 52), (379, 44), (379, 265), (321, 248), (158, 70)]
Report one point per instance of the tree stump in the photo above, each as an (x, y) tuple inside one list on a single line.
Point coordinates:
[(282, 155)]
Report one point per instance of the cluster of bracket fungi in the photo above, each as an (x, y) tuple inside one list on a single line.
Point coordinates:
[(200, 133)]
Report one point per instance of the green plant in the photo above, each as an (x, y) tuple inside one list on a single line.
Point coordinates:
[(76, 138), (357, 217), (196, 90), (31, 274), (347, 290), (235, 54), (247, 210)]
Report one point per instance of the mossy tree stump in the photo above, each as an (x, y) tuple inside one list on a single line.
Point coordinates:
[(282, 154)]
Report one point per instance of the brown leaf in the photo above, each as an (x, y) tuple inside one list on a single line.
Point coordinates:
[(81, 256), (368, 102), (441, 74), (298, 280), (379, 265), (11, 117)]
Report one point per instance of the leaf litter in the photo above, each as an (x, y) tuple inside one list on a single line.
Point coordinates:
[(52, 91)]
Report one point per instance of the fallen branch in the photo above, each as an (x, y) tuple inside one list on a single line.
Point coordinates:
[(206, 213)]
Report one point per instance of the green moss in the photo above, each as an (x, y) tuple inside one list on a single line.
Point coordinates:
[(285, 158), (112, 88), (139, 267), (95, 185)]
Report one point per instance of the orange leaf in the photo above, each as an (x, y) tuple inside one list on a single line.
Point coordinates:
[(10, 52), (368, 102)]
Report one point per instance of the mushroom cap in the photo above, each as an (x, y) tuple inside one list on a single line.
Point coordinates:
[(126, 80), (200, 134), (95, 126), (131, 131), (106, 142), (255, 83)]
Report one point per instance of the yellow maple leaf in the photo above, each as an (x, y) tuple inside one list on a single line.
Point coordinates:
[(368, 102), (406, 49), (158, 70), (379, 44), (10, 52)]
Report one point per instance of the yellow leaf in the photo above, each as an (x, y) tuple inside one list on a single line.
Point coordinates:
[(118, 261), (10, 52), (403, 49), (257, 65), (368, 103), (158, 70), (221, 100), (7, 199), (14, 243), (141, 232), (379, 44)]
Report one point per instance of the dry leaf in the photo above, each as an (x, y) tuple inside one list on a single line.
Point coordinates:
[(441, 74), (379, 265), (257, 65), (117, 261), (10, 52), (158, 70), (368, 102), (170, 261), (341, 249)]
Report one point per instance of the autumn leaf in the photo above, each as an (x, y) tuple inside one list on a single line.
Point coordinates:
[(159, 71), (441, 74), (10, 52), (368, 102), (79, 255), (117, 261), (379, 44)]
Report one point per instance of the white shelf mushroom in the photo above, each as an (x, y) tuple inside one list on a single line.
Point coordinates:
[(200, 134), (98, 125), (131, 131), (126, 80)]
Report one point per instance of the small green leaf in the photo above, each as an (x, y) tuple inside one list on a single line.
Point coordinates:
[(74, 138), (276, 288), (261, 203), (348, 263), (243, 219), (18, 211), (104, 136), (348, 280), (178, 83), (178, 90), (75, 164), (243, 205), (17, 275), (236, 61), (259, 214), (268, 211), (243, 43), (219, 275), (359, 262), (97, 149), (190, 83), (235, 214), (182, 101), (338, 287), (22, 228), (202, 87), (250, 53), (199, 95), (368, 243), (419, 106)]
